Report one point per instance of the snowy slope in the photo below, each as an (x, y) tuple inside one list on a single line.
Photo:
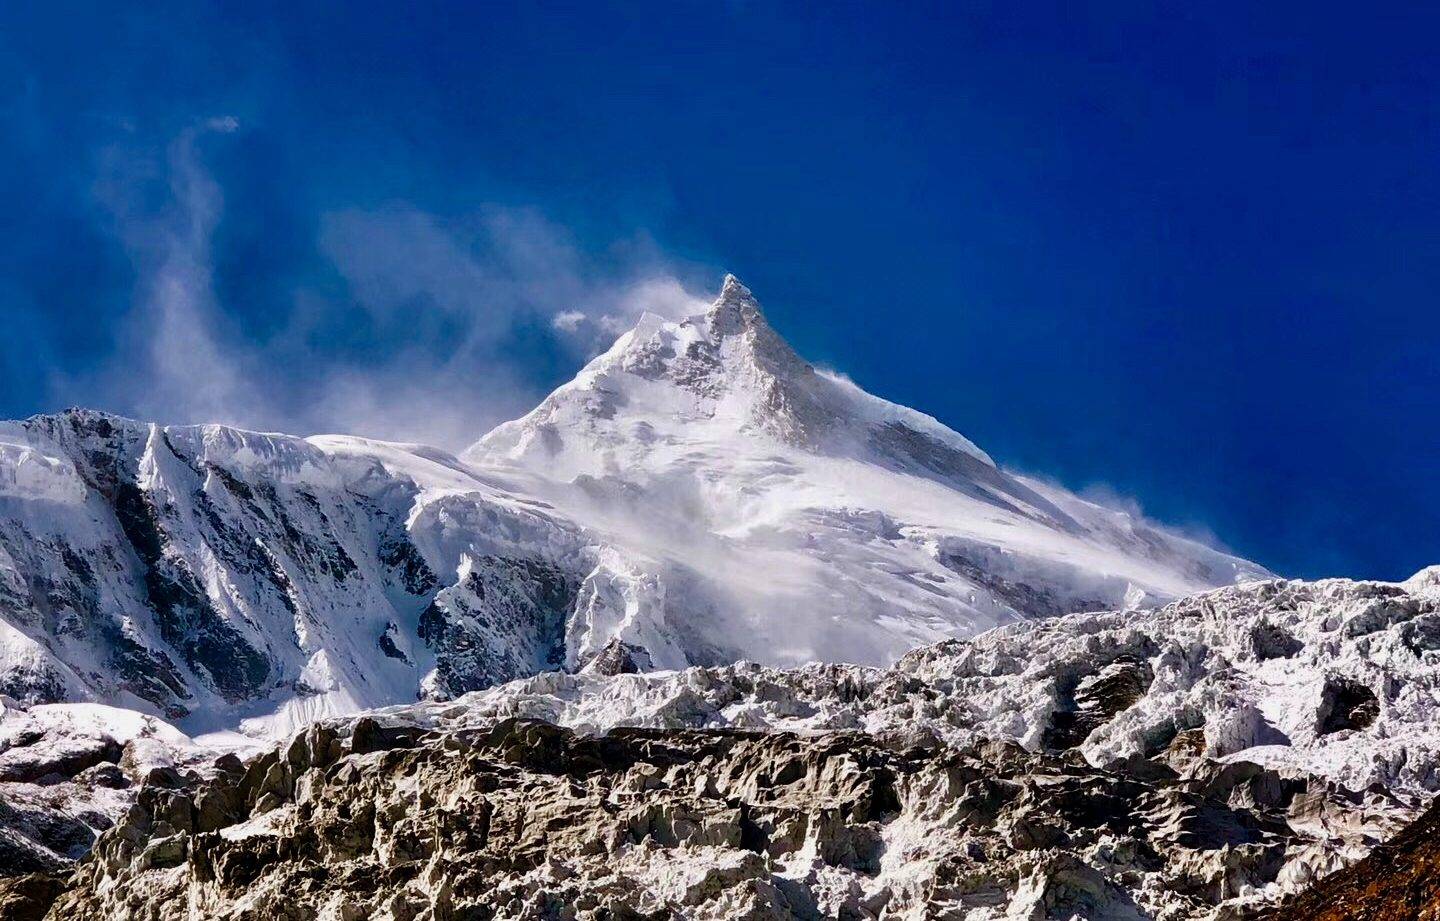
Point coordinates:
[(211, 575), (697, 495), (817, 521)]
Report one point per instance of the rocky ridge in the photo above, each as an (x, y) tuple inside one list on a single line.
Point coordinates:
[(529, 820), (1333, 678), (624, 616)]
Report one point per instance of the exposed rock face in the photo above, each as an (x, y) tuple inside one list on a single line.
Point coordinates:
[(1353, 697), (528, 820), (505, 618), (698, 496), (28, 897), (1399, 881), (66, 774), (188, 570)]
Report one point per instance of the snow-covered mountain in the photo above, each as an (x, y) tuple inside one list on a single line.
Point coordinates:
[(697, 495), (213, 574), (817, 521)]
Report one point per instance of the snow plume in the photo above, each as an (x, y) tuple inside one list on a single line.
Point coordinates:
[(174, 365), (458, 297), (1190, 528), (617, 311), (1114, 499), (413, 327)]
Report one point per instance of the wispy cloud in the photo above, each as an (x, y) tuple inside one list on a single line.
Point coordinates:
[(568, 321), (170, 361), (432, 329)]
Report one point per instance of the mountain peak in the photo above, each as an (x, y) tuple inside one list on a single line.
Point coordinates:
[(733, 288), (735, 310)]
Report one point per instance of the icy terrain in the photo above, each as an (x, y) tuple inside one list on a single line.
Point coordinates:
[(1335, 678), (1193, 762), (696, 496)]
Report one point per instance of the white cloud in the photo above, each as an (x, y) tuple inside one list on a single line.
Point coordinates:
[(568, 321), (614, 311), (662, 295), (173, 362)]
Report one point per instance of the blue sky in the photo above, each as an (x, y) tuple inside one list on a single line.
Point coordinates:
[(1186, 257)]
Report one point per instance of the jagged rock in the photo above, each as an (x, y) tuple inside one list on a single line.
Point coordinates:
[(1345, 704), (1095, 699), (522, 819), (1202, 778), (697, 495), (57, 758), (1154, 690), (618, 658), (28, 897), (73, 771)]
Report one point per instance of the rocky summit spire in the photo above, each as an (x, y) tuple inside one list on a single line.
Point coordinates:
[(734, 288), (735, 315), (734, 310)]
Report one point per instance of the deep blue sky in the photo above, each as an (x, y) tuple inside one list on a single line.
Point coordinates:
[(1189, 252)]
